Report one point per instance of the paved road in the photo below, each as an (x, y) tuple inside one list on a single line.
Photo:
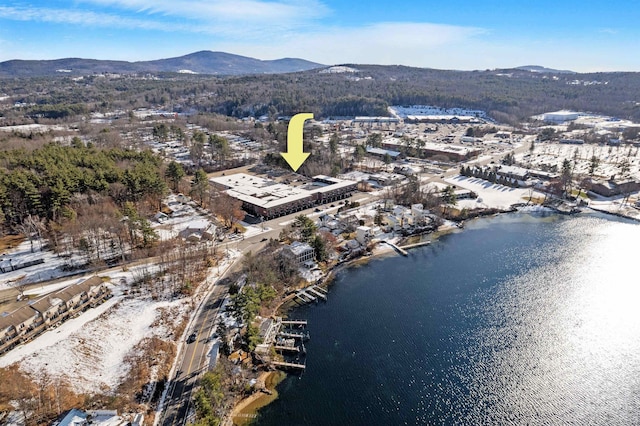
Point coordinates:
[(192, 360)]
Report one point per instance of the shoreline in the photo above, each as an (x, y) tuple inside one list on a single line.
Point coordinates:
[(260, 399), (246, 409)]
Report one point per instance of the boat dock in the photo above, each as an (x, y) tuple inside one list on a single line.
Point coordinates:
[(307, 297), (311, 294), (289, 342), (287, 348), (289, 365), (294, 335), (317, 293), (420, 244), (294, 322), (396, 248)]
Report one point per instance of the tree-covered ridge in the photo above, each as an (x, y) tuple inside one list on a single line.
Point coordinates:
[(43, 181), (506, 95)]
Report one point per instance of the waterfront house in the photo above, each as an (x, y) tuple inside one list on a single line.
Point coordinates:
[(300, 252), (612, 187), (364, 235)]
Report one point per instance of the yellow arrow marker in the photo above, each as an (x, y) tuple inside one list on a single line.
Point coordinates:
[(295, 155)]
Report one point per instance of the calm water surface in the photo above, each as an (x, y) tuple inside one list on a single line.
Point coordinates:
[(519, 319)]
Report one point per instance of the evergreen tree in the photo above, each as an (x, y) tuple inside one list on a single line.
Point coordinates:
[(200, 185), (175, 173)]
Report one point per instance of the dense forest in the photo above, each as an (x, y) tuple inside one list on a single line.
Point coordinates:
[(508, 96), (42, 182)]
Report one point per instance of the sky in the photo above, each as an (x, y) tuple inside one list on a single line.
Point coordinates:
[(448, 34)]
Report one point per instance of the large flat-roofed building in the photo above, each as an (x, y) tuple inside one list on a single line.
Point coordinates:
[(453, 152), (327, 189), (558, 116), (269, 199)]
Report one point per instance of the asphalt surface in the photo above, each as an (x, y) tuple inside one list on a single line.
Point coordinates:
[(192, 360)]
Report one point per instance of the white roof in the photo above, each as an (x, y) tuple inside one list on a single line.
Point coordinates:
[(299, 248), (268, 193), (260, 192), (454, 149)]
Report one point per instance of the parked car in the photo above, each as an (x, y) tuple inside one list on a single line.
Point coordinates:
[(192, 338)]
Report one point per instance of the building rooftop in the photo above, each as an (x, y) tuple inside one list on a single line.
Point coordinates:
[(440, 147), (267, 193), (298, 247)]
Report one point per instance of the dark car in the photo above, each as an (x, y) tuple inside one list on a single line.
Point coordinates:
[(191, 338)]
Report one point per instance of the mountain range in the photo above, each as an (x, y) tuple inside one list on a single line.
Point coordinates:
[(203, 62)]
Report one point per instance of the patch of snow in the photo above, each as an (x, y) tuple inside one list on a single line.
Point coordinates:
[(51, 268), (492, 195), (90, 350)]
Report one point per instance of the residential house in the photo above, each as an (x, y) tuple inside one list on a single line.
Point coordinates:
[(29, 320), (76, 417), (349, 222), (400, 218), (612, 188), (23, 320), (419, 213), (49, 308), (300, 252), (364, 234)]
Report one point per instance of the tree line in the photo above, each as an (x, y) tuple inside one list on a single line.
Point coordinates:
[(44, 181), (507, 96)]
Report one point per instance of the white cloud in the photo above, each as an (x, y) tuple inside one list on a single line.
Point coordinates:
[(239, 20), (77, 17), (267, 12), (381, 43)]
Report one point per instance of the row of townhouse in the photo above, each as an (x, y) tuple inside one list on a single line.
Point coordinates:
[(30, 320)]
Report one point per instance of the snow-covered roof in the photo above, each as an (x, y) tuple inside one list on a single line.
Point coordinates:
[(299, 248)]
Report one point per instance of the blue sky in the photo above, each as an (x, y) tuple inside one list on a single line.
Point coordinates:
[(447, 34)]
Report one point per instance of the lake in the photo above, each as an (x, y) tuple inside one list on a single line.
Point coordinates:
[(526, 318)]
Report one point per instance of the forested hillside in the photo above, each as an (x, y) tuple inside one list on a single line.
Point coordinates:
[(506, 95), (52, 182)]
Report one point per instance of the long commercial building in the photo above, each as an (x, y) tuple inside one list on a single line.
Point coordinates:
[(269, 199), (430, 149)]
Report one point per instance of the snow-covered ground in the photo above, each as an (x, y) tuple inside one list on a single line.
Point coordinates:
[(91, 349), (610, 158), (615, 206), (50, 269), (490, 195)]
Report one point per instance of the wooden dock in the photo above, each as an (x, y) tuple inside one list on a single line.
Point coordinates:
[(317, 293), (420, 244), (321, 290), (306, 295), (287, 348), (294, 322), (290, 334), (396, 248), (289, 365)]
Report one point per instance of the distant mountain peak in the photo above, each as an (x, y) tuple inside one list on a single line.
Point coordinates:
[(201, 62), (541, 69)]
